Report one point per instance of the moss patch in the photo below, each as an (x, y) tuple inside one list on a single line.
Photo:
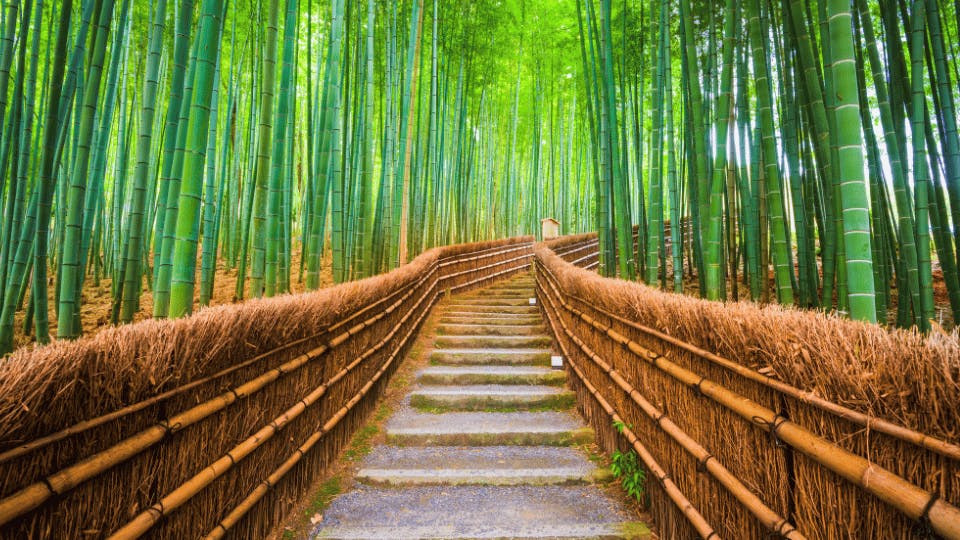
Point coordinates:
[(635, 529)]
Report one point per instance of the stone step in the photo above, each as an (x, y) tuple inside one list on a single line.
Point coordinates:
[(492, 396), (485, 301), (491, 318), (447, 375), (490, 329), (491, 341), (500, 293), (518, 280), (490, 357), (411, 428), (480, 308), (490, 315), (478, 465), (478, 512)]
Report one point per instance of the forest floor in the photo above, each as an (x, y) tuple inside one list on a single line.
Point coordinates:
[(740, 291), (97, 298)]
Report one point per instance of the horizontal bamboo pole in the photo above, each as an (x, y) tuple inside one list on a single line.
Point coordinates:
[(768, 517), (186, 491), (914, 502), (524, 242), (455, 259), (486, 267), (584, 258), (578, 248), (491, 276), (694, 517)]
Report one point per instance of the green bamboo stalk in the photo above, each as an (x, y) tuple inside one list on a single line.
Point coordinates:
[(920, 172), (71, 271), (37, 223), (183, 278), (280, 143), (856, 211)]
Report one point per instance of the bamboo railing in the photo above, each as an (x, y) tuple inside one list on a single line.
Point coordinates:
[(231, 446), (748, 452)]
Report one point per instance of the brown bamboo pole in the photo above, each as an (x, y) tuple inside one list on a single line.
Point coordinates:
[(907, 498), (528, 248), (70, 477), (487, 267), (520, 243), (769, 518)]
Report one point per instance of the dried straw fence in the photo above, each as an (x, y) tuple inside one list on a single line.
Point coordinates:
[(756, 422), (216, 423)]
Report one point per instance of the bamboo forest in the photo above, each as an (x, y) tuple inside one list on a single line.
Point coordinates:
[(804, 152), (460, 269)]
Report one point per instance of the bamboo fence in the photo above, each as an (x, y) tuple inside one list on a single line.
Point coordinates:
[(761, 421), (218, 422)]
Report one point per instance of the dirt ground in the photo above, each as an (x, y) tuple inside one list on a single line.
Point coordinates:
[(943, 315), (97, 300)]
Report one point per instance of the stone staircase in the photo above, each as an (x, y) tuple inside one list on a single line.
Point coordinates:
[(487, 444)]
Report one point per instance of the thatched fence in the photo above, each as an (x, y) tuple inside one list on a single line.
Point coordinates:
[(758, 422), (216, 423)]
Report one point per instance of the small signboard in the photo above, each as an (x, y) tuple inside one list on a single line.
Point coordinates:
[(556, 362), (550, 228), (533, 301)]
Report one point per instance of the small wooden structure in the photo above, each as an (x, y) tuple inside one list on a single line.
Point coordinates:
[(550, 228)]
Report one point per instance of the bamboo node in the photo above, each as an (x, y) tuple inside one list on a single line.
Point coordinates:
[(702, 463), (783, 530), (923, 528), (697, 390), (46, 482), (664, 479), (158, 510), (772, 427)]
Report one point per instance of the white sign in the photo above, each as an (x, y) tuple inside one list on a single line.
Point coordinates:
[(533, 301), (556, 362)]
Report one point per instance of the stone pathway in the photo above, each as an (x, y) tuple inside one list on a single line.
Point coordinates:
[(486, 443)]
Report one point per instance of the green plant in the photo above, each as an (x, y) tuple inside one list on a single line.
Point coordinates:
[(632, 477), (626, 467)]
